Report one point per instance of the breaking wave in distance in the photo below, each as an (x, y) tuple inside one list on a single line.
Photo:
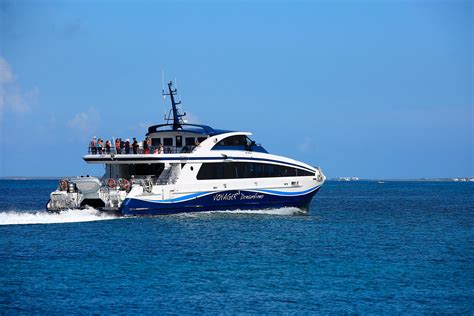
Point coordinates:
[(43, 217)]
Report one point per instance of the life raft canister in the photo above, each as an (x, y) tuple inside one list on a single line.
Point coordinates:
[(111, 183)]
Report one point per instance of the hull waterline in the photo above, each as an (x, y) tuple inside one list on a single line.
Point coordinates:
[(225, 200)]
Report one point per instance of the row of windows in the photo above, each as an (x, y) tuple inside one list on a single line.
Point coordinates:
[(236, 140), (168, 141), (237, 170)]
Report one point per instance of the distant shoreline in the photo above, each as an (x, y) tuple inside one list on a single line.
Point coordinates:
[(409, 180), (40, 178)]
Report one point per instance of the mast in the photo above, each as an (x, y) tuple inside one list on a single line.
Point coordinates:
[(177, 117)]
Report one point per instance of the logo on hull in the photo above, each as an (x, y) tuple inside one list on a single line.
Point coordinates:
[(237, 196)]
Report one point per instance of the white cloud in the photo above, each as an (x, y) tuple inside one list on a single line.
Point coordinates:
[(6, 75), (12, 97), (86, 122)]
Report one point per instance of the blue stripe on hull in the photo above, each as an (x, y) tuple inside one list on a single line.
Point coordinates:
[(225, 200)]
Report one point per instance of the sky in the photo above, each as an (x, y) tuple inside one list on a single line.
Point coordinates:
[(374, 89)]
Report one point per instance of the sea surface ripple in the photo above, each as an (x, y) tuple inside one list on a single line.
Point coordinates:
[(363, 247)]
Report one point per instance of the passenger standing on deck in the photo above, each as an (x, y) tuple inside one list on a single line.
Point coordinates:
[(135, 146), (107, 147), (148, 142), (160, 148), (146, 149), (93, 145), (117, 146), (122, 145), (196, 144), (127, 146), (99, 146)]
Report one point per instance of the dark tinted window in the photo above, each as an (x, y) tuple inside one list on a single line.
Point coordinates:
[(201, 139), (168, 141), (304, 173), (179, 141), (237, 140), (146, 170), (216, 171), (234, 170), (189, 141), (155, 141)]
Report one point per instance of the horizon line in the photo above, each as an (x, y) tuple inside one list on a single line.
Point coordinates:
[(335, 179)]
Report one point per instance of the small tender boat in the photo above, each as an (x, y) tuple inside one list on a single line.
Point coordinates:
[(190, 168)]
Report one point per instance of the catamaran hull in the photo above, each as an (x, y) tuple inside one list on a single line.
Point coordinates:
[(223, 200)]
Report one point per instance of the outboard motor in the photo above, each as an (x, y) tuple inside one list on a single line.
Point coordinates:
[(65, 197), (71, 187)]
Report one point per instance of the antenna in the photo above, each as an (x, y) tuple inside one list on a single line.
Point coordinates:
[(176, 84), (177, 117), (163, 92)]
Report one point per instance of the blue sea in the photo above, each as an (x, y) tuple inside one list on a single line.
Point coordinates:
[(363, 248)]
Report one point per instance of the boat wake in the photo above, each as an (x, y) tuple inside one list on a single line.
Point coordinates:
[(285, 211), (43, 217), (91, 215)]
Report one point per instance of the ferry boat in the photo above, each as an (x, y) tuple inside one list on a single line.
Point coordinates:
[(189, 168)]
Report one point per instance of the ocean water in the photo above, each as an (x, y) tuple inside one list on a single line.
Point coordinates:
[(364, 247)]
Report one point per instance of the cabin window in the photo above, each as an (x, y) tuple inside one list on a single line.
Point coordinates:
[(179, 141), (168, 141), (239, 170), (155, 141), (216, 171), (201, 139), (304, 173), (189, 141), (237, 140)]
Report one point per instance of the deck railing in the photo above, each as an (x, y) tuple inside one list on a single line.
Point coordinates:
[(140, 150)]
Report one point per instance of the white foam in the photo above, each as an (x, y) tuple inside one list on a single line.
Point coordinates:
[(285, 211), (43, 217)]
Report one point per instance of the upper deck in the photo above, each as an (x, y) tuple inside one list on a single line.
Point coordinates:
[(174, 145), (176, 137)]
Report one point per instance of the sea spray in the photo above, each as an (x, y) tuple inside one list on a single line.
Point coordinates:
[(43, 217)]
